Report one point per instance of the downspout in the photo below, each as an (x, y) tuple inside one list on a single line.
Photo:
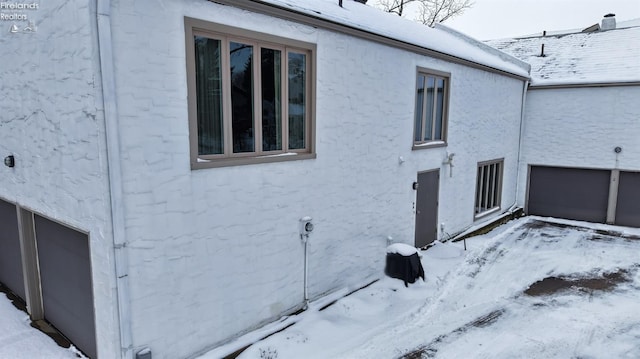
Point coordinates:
[(105, 49), (525, 86)]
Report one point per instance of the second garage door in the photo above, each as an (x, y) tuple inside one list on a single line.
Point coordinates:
[(65, 272), (572, 193), (628, 207)]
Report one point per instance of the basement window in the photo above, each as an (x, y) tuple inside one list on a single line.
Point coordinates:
[(432, 102), (488, 187), (251, 96)]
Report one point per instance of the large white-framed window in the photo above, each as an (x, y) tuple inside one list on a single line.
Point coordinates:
[(432, 107), (488, 187), (251, 96)]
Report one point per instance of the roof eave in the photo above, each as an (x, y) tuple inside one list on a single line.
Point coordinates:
[(569, 85), (316, 21)]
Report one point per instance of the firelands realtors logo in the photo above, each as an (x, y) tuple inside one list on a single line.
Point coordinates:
[(18, 16)]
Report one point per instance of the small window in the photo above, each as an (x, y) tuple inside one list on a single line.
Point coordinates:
[(250, 96), (488, 187), (432, 101)]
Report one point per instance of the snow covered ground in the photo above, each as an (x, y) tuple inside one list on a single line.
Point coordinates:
[(18, 340), (473, 304), (528, 289)]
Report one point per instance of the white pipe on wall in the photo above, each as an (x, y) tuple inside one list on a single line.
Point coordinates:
[(306, 272), (112, 133), (525, 86), (306, 227)]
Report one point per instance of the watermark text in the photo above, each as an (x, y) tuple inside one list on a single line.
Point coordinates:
[(18, 6)]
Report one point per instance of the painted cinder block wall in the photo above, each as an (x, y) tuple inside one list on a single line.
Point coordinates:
[(581, 127), (52, 122), (216, 252)]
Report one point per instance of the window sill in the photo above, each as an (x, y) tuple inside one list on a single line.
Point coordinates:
[(486, 213), (432, 144), (200, 163)]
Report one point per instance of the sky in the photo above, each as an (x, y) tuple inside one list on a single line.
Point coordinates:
[(495, 19)]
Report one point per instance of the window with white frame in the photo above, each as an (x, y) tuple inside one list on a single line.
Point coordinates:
[(488, 187), (250, 96), (432, 101)]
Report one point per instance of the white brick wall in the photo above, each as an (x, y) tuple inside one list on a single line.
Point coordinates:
[(215, 252), (580, 128), (51, 121)]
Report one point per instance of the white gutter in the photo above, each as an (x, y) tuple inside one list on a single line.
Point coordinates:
[(543, 85), (105, 49), (525, 86)]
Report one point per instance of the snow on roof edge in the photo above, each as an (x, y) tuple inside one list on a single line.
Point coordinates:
[(476, 56), (625, 24), (503, 55), (572, 83)]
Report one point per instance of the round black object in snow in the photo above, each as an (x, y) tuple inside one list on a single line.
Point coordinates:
[(407, 268)]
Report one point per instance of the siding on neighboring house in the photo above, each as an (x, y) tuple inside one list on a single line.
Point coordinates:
[(581, 127), (584, 130)]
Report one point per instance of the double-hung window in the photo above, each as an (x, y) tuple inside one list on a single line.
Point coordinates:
[(488, 187), (432, 102), (250, 96)]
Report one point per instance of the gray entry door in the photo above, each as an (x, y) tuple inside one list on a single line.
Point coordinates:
[(628, 207), (427, 207), (65, 274), (10, 257), (572, 193)]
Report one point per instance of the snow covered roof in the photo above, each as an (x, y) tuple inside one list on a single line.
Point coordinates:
[(580, 58), (619, 25), (371, 23)]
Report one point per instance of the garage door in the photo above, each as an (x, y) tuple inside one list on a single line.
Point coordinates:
[(628, 207), (65, 272), (10, 258), (580, 194)]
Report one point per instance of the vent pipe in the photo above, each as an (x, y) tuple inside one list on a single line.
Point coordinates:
[(608, 22)]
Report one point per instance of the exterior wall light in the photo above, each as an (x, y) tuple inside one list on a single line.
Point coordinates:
[(10, 161)]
